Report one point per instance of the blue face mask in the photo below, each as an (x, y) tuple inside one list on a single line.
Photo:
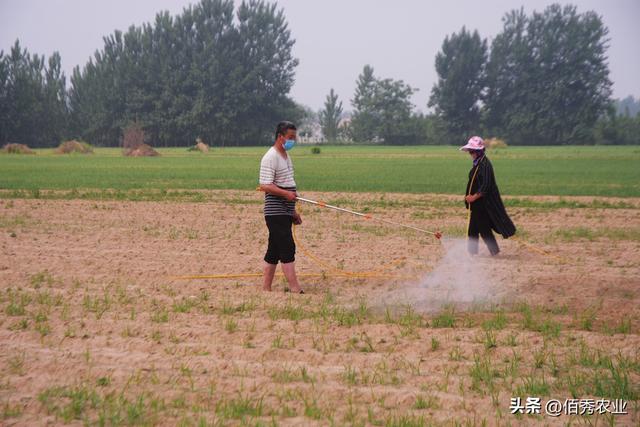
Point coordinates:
[(289, 143)]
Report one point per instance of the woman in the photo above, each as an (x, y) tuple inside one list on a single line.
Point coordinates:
[(483, 200)]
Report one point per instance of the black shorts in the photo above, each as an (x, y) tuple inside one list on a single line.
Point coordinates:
[(281, 245)]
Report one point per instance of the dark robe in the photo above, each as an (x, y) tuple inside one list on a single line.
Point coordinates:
[(485, 183)]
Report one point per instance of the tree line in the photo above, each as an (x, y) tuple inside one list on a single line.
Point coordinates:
[(224, 73), (33, 98), (215, 72), (544, 80)]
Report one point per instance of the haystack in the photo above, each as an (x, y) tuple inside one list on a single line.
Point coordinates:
[(13, 148), (74, 146), (495, 143), (142, 150), (202, 147)]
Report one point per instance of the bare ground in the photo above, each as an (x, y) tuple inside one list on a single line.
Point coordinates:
[(96, 328)]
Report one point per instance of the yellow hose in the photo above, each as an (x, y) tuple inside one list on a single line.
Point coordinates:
[(538, 250), (468, 193)]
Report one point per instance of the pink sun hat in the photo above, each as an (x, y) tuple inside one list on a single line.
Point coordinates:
[(475, 143)]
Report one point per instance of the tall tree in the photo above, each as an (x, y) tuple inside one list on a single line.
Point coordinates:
[(619, 129), (268, 67), (330, 116), (383, 110), (4, 97), (55, 120), (214, 72), (460, 66), (33, 98), (364, 121), (628, 106), (392, 105), (548, 77)]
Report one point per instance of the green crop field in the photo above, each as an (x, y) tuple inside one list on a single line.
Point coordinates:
[(563, 171)]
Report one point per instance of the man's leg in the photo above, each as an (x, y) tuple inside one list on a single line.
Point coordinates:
[(288, 256), (289, 270), (269, 271), (271, 257)]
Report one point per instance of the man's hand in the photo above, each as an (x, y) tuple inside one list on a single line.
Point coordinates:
[(297, 219), (290, 196)]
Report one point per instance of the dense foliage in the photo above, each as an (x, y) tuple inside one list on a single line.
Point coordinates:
[(223, 73)]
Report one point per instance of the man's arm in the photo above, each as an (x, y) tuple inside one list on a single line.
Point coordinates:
[(277, 191)]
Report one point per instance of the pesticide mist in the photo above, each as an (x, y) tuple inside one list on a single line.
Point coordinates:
[(458, 280)]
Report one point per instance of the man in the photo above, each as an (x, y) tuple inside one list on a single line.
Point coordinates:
[(487, 211), (276, 180)]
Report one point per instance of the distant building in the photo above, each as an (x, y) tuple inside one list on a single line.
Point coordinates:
[(311, 133), (345, 122)]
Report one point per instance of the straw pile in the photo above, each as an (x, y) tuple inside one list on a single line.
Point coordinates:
[(142, 150), (495, 143), (74, 146), (13, 148), (200, 146)]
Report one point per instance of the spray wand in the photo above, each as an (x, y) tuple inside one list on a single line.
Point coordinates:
[(436, 234)]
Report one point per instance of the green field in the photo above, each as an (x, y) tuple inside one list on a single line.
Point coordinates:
[(563, 171)]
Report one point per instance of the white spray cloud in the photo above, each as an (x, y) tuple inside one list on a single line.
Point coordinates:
[(458, 279)]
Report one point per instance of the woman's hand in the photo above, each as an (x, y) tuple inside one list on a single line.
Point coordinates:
[(472, 197)]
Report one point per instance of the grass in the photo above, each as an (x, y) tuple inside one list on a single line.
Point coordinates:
[(405, 421), (289, 375), (312, 410), (426, 402), (435, 344), (18, 301), (11, 411), (230, 325), (533, 386), (499, 321), (42, 278), (15, 364), (446, 319), (160, 315), (596, 171), (490, 340), (574, 234), (240, 407), (483, 373), (531, 320)]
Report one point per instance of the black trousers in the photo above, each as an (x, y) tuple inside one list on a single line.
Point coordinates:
[(281, 244), (480, 224)]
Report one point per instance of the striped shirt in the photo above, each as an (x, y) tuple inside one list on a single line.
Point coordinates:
[(274, 169)]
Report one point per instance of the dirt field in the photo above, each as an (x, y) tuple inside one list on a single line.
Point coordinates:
[(95, 328)]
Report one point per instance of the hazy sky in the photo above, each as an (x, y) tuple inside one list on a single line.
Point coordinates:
[(334, 38)]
